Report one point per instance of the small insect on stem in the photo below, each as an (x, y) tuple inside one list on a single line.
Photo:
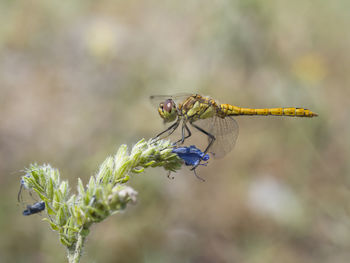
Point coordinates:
[(23, 185), (34, 209)]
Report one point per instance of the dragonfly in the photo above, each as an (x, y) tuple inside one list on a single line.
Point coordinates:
[(211, 118)]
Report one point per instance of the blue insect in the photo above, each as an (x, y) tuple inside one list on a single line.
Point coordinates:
[(34, 209), (192, 156)]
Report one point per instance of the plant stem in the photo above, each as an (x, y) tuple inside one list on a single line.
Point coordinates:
[(105, 194), (74, 253)]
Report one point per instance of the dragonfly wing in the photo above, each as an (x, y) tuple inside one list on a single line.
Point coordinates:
[(225, 131)]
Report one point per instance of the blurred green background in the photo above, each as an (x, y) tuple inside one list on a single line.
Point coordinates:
[(75, 78)]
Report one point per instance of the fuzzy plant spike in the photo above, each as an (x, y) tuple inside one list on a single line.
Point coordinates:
[(106, 193)]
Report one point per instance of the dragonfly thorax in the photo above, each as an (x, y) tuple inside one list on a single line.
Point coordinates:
[(197, 107)]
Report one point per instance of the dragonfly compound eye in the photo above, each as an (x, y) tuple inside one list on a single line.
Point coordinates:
[(168, 105)]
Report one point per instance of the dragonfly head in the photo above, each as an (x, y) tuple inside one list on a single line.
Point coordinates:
[(167, 110)]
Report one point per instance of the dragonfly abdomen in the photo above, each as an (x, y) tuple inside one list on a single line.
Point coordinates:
[(229, 110)]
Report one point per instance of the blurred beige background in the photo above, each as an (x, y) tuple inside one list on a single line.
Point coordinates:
[(75, 78)]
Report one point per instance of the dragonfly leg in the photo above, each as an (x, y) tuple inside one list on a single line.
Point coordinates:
[(211, 138), (170, 129), (189, 132), (184, 137)]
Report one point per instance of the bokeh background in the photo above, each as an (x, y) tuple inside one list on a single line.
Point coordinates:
[(75, 78)]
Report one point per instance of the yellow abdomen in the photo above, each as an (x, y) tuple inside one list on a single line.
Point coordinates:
[(229, 110)]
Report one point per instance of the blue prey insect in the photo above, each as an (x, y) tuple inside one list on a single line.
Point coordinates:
[(192, 156)]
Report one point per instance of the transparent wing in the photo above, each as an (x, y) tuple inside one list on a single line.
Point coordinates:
[(178, 98), (225, 131)]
